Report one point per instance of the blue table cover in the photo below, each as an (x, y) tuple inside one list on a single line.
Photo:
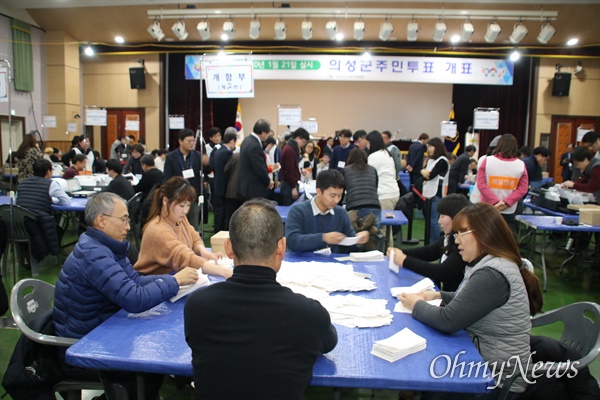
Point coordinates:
[(548, 223), (154, 341), (77, 204), (398, 219)]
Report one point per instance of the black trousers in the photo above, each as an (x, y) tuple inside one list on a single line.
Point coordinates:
[(218, 203)]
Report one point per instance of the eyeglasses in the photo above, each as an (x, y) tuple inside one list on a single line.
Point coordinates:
[(125, 220), (459, 234)]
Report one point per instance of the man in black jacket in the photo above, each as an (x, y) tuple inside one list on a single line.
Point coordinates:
[(255, 339), (152, 176), (119, 185), (459, 169), (254, 174), (219, 159)]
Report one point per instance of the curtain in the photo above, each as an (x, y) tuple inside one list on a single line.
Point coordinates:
[(22, 55)]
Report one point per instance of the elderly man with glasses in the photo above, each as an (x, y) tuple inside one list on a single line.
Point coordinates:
[(97, 280)]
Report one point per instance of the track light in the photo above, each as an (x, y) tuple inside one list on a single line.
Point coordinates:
[(359, 30), (546, 33), (155, 31), (515, 55), (254, 31), (386, 30), (466, 31), (88, 51), (332, 29), (518, 33), (178, 29), (411, 31), (492, 33), (439, 32), (280, 30), (228, 30), (307, 30), (204, 30)]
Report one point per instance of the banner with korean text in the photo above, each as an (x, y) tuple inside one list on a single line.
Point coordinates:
[(446, 70)]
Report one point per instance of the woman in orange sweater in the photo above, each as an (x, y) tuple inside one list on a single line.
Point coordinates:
[(170, 243)]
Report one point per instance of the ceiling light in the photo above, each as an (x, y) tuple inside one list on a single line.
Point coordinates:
[(339, 36), (455, 39), (228, 30), (280, 30), (440, 31), (88, 51), (119, 39), (572, 42), (411, 31), (332, 29), (204, 30), (307, 30), (386, 30), (466, 31), (492, 33), (155, 31), (359, 30), (546, 33), (255, 29), (518, 33), (515, 55), (179, 30), (366, 55)]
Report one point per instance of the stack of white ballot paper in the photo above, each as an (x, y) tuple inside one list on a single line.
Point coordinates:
[(354, 311), (330, 277), (187, 289), (374, 255), (423, 284), (399, 345)]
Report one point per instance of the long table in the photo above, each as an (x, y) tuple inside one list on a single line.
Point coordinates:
[(547, 224), (154, 341), (77, 204)]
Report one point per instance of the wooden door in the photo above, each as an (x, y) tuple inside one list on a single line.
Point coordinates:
[(564, 131), (122, 122)]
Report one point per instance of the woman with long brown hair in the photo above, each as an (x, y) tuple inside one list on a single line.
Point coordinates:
[(496, 298), (170, 243), (26, 155)]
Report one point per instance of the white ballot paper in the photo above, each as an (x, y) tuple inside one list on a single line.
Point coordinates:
[(399, 307), (187, 289), (374, 255), (391, 264), (349, 241), (399, 345), (423, 284)]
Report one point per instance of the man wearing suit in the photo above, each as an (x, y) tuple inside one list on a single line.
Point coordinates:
[(567, 166), (414, 160), (219, 159), (186, 162), (152, 176), (254, 174)]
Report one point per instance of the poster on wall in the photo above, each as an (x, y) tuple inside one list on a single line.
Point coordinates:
[(72, 127), (176, 122), (95, 117), (3, 85), (49, 121), (289, 115)]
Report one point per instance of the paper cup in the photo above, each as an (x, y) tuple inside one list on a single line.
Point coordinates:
[(559, 220)]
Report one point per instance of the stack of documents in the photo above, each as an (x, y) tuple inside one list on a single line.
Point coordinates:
[(330, 277), (399, 345), (187, 289), (354, 311), (399, 307), (374, 255), (422, 285)]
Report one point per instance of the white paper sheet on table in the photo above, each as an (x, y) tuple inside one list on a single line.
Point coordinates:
[(331, 277), (391, 264), (399, 345), (399, 307), (374, 255), (423, 284), (355, 311), (185, 290)]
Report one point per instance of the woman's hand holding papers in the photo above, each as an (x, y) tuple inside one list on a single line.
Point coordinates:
[(210, 268), (187, 276), (399, 255), (363, 237), (409, 299), (333, 237)]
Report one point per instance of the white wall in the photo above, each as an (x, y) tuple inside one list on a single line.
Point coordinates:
[(412, 107)]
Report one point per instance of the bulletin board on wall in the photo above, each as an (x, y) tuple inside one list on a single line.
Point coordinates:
[(18, 133)]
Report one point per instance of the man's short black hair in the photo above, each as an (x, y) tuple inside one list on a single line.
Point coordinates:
[(581, 153), (261, 126), (41, 167), (114, 165), (78, 158), (270, 140), (543, 151), (590, 138), (361, 133), (185, 133), (346, 133), (229, 136), (470, 148), (138, 148), (301, 133), (213, 131), (147, 160), (330, 178)]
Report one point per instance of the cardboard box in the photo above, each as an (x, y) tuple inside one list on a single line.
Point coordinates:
[(590, 216), (579, 207), (217, 241)]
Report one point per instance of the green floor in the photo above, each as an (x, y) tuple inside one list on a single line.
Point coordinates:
[(579, 282)]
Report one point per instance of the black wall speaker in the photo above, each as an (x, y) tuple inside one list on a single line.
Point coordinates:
[(561, 84), (137, 78)]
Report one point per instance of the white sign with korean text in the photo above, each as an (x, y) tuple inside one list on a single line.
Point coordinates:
[(448, 128), (289, 115), (311, 126), (486, 120), (231, 80), (176, 122), (132, 125), (95, 117), (581, 133), (3, 85), (49, 121), (72, 127)]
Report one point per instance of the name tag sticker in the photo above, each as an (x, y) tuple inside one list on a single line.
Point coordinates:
[(188, 173), (341, 164)]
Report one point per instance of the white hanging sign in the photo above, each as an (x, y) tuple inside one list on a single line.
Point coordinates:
[(486, 119), (448, 128), (95, 117), (581, 133), (3, 85), (311, 126), (289, 115), (49, 121), (176, 122), (71, 127), (231, 80), (132, 125)]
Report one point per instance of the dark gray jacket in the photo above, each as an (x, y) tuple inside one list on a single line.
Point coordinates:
[(361, 187)]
